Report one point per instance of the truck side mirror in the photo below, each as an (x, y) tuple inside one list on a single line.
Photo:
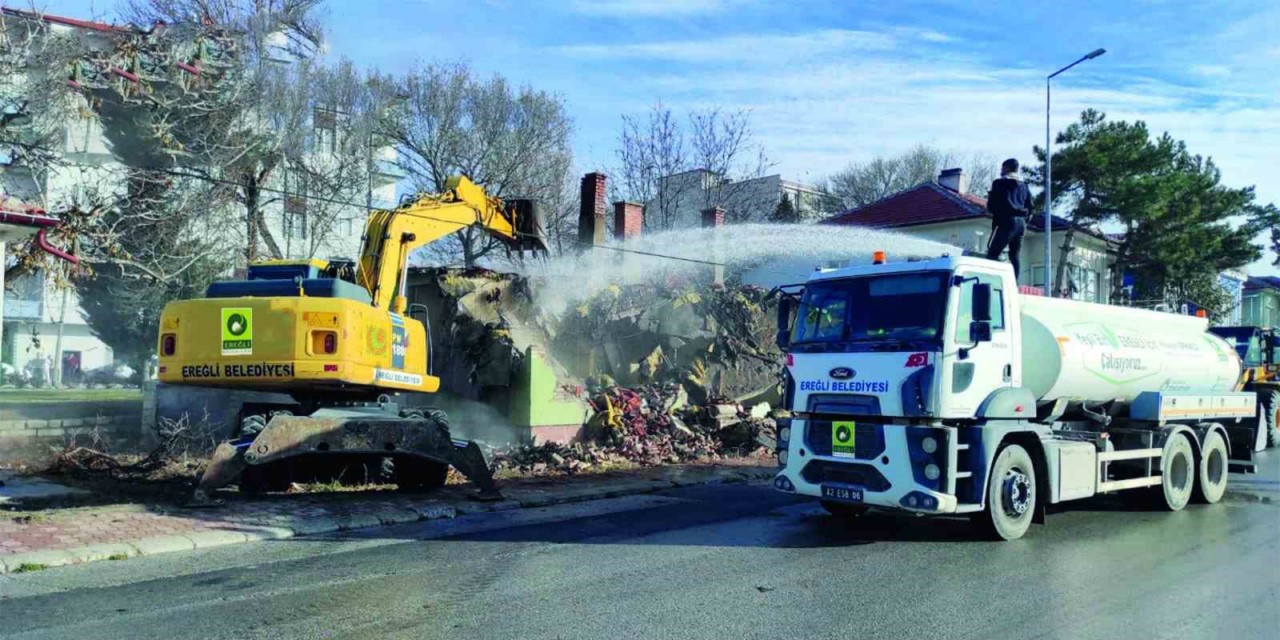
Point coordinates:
[(982, 303), (784, 322), (979, 331)]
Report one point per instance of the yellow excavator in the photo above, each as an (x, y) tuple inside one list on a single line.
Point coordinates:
[(335, 337), (1259, 349)]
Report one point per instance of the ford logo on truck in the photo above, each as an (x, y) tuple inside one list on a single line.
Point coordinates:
[(841, 373)]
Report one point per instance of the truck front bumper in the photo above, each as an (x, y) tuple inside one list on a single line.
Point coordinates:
[(891, 467)]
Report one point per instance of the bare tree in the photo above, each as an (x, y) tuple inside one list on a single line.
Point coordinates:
[(723, 146), (652, 148), (677, 168), (513, 142), (225, 113), (860, 184)]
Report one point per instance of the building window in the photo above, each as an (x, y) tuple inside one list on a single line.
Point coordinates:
[(1037, 276), (326, 123), (1082, 283)]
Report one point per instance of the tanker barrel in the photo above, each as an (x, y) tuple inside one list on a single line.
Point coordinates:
[(1097, 353)]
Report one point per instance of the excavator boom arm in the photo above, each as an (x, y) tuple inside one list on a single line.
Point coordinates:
[(391, 236)]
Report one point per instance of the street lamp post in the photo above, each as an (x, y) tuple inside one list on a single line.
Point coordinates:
[(1048, 173)]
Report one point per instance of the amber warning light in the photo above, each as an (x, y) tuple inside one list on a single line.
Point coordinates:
[(877, 257)]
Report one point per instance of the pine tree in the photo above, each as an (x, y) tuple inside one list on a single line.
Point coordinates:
[(785, 213), (1182, 227)]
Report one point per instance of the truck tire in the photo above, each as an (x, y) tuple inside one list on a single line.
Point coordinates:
[(1177, 473), (1268, 407), (842, 510), (1211, 481), (1011, 494)]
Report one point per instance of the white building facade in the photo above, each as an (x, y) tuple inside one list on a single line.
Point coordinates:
[(37, 309)]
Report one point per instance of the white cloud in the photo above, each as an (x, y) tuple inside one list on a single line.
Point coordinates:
[(651, 8), (1211, 70), (762, 49), (934, 36)]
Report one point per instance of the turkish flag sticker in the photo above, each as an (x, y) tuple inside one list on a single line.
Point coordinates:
[(918, 359)]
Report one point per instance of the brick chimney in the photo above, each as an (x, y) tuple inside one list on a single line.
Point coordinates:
[(713, 217), (591, 213), (628, 219), (954, 179)]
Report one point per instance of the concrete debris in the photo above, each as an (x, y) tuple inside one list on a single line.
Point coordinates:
[(673, 371), (632, 426), (760, 410)]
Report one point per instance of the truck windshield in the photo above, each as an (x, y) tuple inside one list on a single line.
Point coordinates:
[(865, 313)]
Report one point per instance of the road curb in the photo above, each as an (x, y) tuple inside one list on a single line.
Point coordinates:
[(37, 560), (163, 544), (286, 527)]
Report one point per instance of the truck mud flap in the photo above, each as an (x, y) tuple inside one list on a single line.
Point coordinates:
[(292, 436), (1240, 442)]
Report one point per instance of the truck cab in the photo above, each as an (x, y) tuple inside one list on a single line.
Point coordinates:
[(880, 358)]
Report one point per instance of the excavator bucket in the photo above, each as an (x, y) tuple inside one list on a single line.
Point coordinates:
[(527, 221), (419, 450)]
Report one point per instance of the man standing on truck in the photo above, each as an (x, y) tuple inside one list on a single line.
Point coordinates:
[(1009, 202)]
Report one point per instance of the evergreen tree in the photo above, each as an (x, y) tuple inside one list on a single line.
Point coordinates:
[(1181, 226), (785, 213)]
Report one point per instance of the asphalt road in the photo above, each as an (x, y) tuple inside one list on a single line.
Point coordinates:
[(730, 561)]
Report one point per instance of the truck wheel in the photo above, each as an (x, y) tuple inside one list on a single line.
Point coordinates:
[(842, 510), (1211, 482), (1177, 473), (1011, 494), (1269, 407)]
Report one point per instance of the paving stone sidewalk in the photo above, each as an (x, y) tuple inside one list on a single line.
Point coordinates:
[(71, 536)]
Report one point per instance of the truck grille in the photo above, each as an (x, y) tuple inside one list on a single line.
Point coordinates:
[(868, 442), (861, 475)]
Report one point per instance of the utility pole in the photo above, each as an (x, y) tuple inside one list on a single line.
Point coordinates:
[(1048, 174)]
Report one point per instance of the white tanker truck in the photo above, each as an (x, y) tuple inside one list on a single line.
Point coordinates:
[(936, 387)]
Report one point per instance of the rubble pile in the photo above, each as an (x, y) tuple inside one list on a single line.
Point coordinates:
[(671, 370), (648, 426)]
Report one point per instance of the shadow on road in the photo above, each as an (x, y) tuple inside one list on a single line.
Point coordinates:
[(723, 516)]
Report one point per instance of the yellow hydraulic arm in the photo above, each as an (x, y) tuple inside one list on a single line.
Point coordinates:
[(392, 235)]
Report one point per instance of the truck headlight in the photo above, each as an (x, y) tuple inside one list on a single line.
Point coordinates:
[(931, 471), (784, 434), (782, 457), (929, 445)]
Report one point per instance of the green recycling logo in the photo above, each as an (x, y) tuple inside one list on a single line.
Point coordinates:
[(843, 437), (237, 331)]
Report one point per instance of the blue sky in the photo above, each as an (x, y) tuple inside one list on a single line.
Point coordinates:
[(829, 82)]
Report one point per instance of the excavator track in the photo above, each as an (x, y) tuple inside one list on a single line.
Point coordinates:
[(417, 442)]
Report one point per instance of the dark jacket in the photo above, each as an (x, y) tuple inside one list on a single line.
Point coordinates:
[(1009, 198)]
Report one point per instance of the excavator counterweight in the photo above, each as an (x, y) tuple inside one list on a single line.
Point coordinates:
[(335, 337)]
